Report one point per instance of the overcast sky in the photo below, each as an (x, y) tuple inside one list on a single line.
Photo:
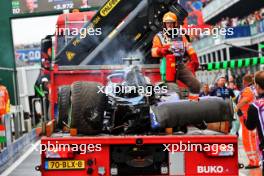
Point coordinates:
[(32, 30)]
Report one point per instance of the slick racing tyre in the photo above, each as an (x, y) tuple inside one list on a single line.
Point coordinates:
[(88, 106), (63, 105)]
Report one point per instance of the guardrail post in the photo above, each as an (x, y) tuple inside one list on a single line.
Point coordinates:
[(17, 115), (8, 129)]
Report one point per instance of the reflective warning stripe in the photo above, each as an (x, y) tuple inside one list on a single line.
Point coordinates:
[(252, 157), (162, 38), (250, 141), (251, 153)]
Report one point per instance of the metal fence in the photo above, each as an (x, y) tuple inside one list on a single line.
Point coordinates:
[(17, 125), (16, 141)]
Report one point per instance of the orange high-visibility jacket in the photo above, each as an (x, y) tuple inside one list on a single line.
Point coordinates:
[(159, 41), (248, 95), (4, 101), (249, 138)]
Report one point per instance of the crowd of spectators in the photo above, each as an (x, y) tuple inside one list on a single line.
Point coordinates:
[(245, 114), (235, 22), (222, 88), (248, 20)]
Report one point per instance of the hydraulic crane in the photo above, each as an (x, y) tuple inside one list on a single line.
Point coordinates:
[(129, 24)]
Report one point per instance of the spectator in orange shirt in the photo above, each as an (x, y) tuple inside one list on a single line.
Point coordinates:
[(249, 138)]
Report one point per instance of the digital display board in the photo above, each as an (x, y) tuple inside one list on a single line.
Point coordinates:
[(34, 6), (28, 55)]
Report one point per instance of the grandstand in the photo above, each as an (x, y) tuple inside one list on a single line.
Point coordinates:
[(246, 18)]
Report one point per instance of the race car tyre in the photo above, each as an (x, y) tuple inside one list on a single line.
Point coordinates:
[(185, 112), (64, 94), (88, 106)]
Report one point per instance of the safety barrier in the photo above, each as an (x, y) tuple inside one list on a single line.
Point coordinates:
[(13, 147), (13, 127), (17, 123)]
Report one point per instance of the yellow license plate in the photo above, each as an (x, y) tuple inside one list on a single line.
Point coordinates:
[(65, 165)]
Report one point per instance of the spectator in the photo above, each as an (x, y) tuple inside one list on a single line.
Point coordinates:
[(206, 91), (4, 105), (85, 4), (4, 100), (257, 15), (234, 22), (251, 19), (256, 112), (262, 13), (235, 123), (249, 138), (231, 78), (211, 87), (233, 86), (229, 22), (224, 22), (221, 90), (197, 5)]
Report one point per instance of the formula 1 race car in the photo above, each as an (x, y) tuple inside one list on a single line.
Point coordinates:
[(130, 104)]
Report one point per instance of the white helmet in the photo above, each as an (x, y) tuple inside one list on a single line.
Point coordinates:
[(44, 80)]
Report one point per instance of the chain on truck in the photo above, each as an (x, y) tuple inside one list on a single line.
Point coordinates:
[(108, 132)]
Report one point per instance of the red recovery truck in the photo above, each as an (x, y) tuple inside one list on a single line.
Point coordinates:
[(88, 61)]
